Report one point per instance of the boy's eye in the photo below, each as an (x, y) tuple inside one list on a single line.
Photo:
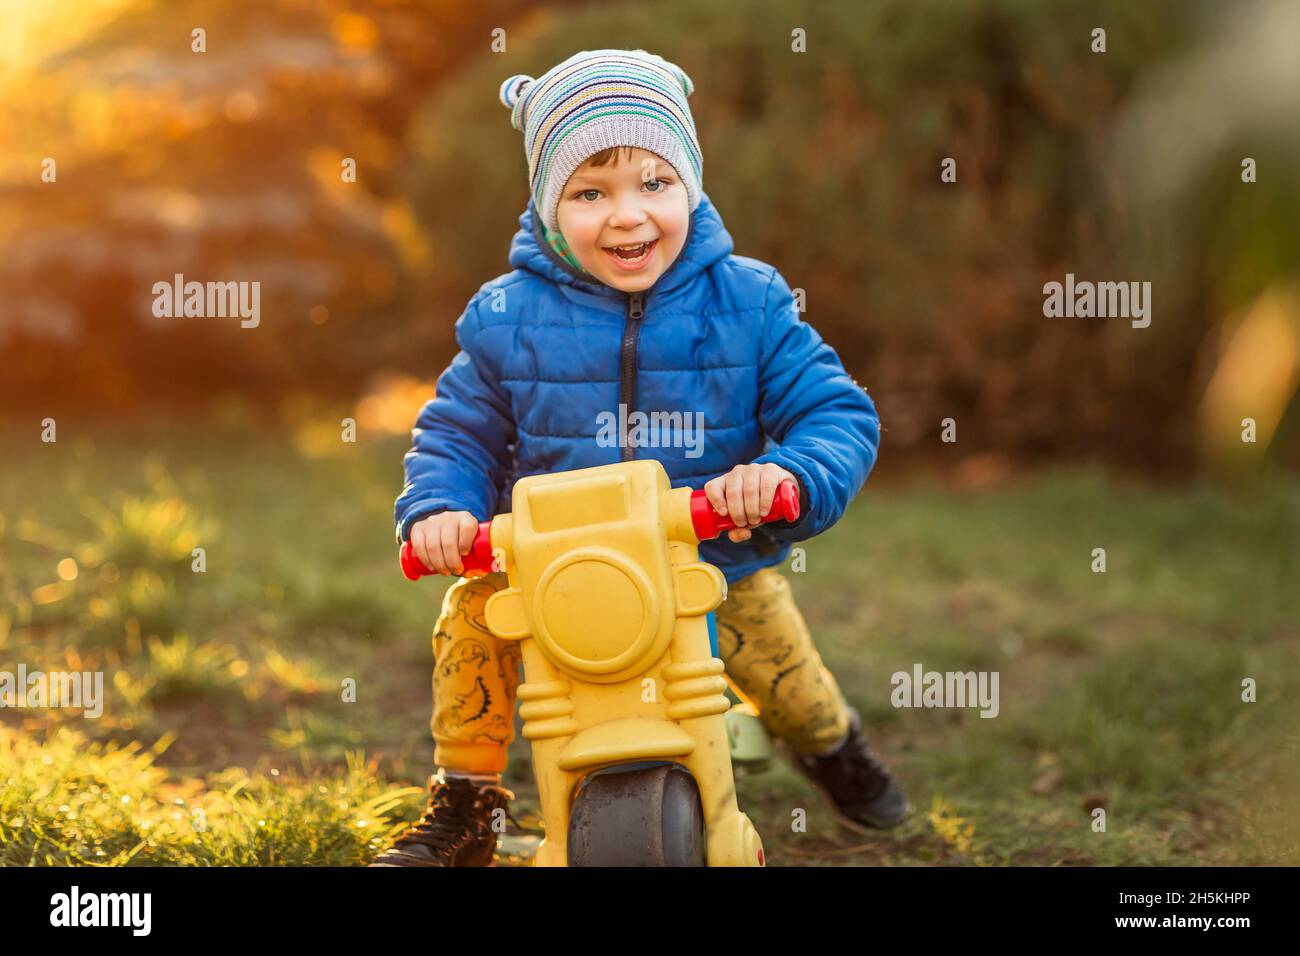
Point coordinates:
[(657, 183), (590, 198)]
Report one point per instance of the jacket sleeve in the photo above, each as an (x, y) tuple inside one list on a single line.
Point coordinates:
[(461, 440), (824, 424)]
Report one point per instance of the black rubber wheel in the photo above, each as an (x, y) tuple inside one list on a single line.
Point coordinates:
[(638, 816)]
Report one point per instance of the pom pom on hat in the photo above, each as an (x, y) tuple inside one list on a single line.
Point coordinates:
[(512, 92), (513, 88)]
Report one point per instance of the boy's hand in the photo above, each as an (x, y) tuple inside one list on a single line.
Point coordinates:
[(745, 494), (440, 540)]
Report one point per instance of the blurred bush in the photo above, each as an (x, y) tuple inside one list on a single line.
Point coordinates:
[(1114, 166), (827, 165), (225, 165)]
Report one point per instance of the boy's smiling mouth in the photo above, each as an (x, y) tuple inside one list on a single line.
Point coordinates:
[(630, 256)]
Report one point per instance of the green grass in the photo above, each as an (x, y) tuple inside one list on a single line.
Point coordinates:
[(69, 803), (1119, 690)]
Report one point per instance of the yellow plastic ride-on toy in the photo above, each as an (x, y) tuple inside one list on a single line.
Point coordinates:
[(623, 698)]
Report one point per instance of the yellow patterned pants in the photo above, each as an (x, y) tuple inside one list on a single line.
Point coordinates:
[(762, 639)]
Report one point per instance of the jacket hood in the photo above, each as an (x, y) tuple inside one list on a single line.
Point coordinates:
[(707, 241)]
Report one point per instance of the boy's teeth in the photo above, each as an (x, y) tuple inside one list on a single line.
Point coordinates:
[(631, 251)]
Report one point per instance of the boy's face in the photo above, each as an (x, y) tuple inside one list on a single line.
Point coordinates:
[(636, 198)]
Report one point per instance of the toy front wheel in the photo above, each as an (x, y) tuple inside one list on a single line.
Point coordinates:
[(638, 816)]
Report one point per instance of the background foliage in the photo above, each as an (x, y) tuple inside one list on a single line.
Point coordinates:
[(1121, 165)]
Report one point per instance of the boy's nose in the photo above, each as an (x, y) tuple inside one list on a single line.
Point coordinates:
[(627, 213)]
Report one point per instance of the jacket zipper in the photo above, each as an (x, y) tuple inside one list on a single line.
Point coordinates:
[(627, 383)]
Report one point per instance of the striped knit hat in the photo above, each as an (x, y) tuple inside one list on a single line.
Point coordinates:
[(597, 99)]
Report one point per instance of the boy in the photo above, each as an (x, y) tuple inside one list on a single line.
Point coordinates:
[(625, 297)]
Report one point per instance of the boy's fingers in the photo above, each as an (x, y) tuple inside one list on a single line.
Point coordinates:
[(433, 548), (450, 549), (420, 545), (740, 534), (715, 491), (736, 498), (468, 531), (767, 483), (752, 484)]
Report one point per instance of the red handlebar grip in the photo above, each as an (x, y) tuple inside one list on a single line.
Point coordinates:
[(709, 524), (478, 559)]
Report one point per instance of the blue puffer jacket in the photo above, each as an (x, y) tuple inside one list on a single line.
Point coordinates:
[(545, 349)]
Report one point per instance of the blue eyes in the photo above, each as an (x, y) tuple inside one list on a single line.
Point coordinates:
[(587, 194)]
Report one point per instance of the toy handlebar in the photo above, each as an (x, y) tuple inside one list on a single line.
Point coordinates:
[(478, 559), (708, 524)]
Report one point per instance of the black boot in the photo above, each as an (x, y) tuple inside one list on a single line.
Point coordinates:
[(855, 782), (456, 828)]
